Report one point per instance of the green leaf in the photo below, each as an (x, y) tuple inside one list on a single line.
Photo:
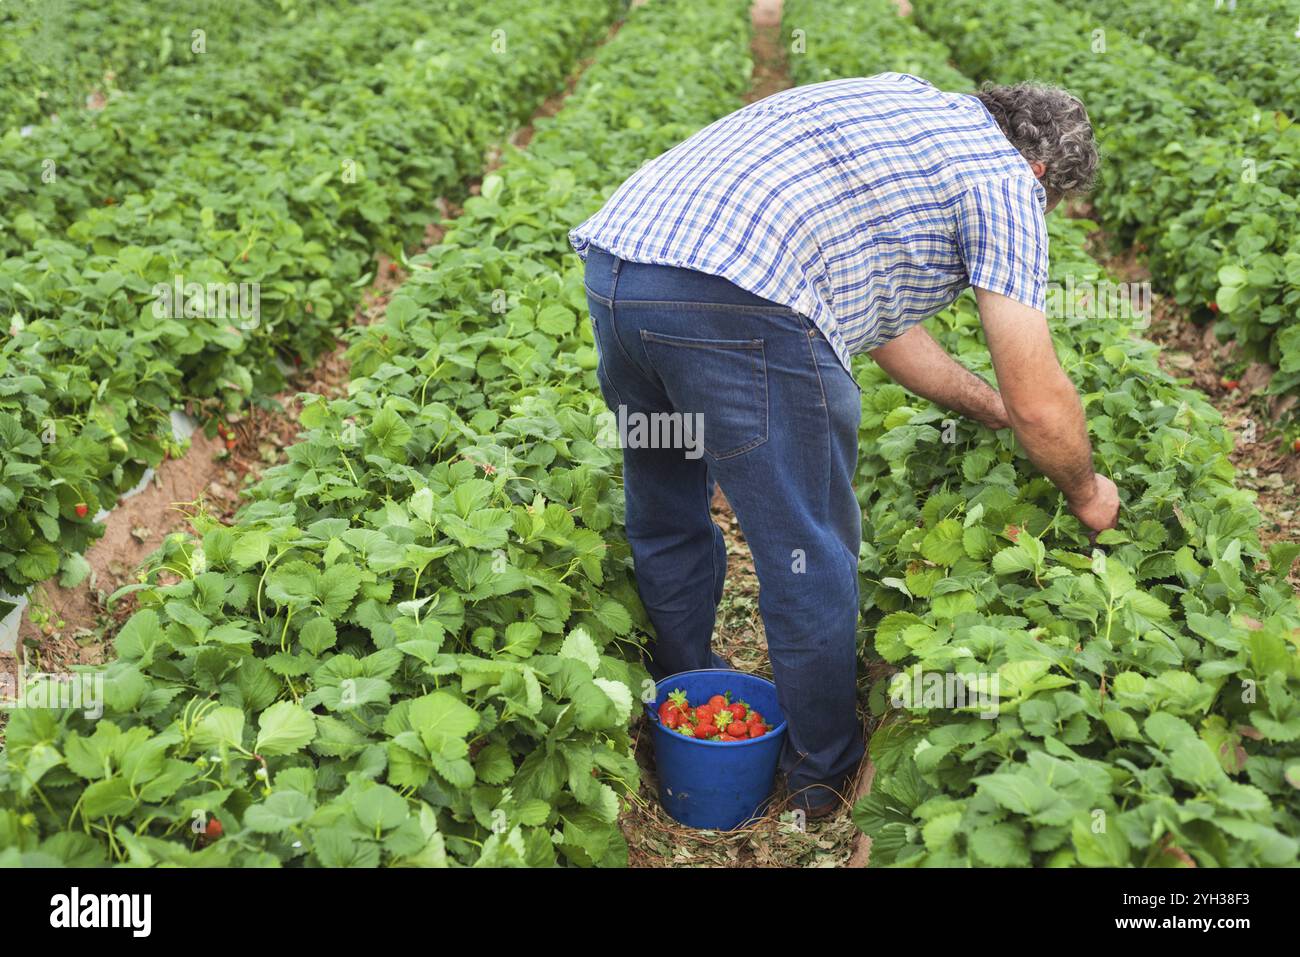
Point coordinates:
[(578, 645), (1021, 557), (318, 635), (391, 433), (1000, 845), (1232, 275), (1193, 761), (493, 764), (221, 726), (139, 637), (106, 799), (251, 549), (380, 808), (1098, 842), (619, 694), (75, 570), (284, 728), (614, 616), (338, 585), (943, 544), (443, 721), (280, 811), (522, 638)]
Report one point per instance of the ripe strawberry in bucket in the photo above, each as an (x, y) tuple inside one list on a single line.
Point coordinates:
[(718, 719), (674, 710)]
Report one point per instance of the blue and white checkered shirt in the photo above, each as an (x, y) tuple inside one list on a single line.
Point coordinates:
[(865, 204)]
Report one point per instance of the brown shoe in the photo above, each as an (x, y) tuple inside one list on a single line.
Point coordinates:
[(822, 810), (829, 802)]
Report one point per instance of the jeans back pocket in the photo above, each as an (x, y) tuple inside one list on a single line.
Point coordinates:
[(722, 383)]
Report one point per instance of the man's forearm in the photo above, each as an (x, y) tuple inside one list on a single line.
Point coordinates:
[(1054, 434), (920, 365)]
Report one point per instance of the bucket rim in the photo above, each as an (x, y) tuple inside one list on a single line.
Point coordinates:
[(654, 717)]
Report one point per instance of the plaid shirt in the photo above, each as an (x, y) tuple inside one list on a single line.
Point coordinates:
[(865, 204)]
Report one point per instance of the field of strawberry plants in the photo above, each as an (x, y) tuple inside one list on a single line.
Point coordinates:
[(416, 644), (406, 649), (1220, 39), (1217, 203), (1153, 685), (55, 57), (92, 367)]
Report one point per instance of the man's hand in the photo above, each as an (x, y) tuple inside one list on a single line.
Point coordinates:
[(920, 365), (1100, 510)]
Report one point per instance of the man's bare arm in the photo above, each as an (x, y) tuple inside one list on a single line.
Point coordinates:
[(920, 365), (1044, 407)]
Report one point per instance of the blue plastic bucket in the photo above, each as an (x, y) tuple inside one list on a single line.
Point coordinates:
[(716, 784)]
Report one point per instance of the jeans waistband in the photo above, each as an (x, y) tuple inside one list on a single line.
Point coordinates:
[(615, 279)]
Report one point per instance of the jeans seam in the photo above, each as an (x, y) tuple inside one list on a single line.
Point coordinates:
[(677, 342), (713, 555), (601, 372), (613, 321), (711, 306), (826, 505), (826, 406), (603, 300), (761, 379)]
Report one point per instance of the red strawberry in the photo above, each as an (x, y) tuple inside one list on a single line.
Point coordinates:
[(706, 729), (738, 710), (678, 700), (729, 737), (1214, 306), (214, 829), (81, 509), (717, 703), (737, 728), (753, 717), (674, 711), (757, 730), (230, 443), (1295, 446)]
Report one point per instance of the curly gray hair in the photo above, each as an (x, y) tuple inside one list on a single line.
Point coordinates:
[(1049, 126)]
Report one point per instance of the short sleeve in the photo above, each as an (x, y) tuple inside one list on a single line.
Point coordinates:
[(1002, 239)]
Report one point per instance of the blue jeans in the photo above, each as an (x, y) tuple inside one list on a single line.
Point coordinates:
[(778, 417)]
